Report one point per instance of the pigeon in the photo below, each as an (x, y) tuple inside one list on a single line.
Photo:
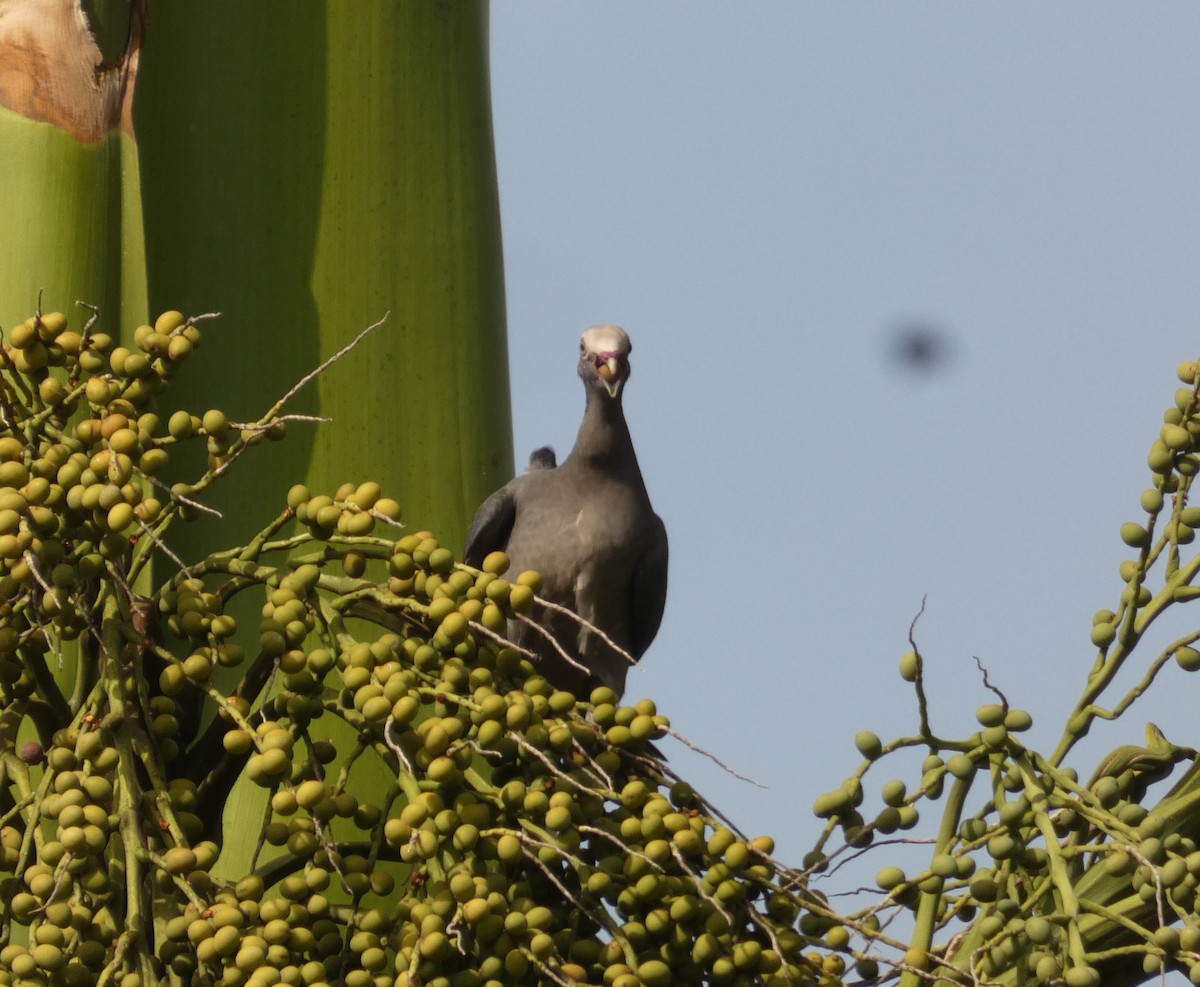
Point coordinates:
[(588, 527)]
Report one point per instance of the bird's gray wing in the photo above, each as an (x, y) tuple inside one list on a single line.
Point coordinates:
[(543, 459), (649, 591), (492, 525)]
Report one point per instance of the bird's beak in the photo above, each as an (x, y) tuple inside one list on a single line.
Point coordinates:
[(612, 372)]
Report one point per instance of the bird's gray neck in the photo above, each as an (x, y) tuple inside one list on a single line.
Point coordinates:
[(604, 438)]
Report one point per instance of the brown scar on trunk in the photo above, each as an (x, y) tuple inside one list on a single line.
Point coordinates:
[(52, 71)]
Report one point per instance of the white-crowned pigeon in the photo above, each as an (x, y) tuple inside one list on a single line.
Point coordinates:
[(590, 531)]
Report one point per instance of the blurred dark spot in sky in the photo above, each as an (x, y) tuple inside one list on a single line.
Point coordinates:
[(921, 348)]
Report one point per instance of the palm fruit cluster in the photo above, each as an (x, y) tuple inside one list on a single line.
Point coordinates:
[(525, 835), (529, 836), (1049, 880)]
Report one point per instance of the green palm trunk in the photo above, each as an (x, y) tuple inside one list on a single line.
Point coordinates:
[(307, 170), (65, 209), (306, 174), (304, 169)]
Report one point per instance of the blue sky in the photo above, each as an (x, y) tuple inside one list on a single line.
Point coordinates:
[(760, 195)]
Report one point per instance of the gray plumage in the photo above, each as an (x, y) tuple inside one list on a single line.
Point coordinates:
[(542, 458), (589, 529)]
